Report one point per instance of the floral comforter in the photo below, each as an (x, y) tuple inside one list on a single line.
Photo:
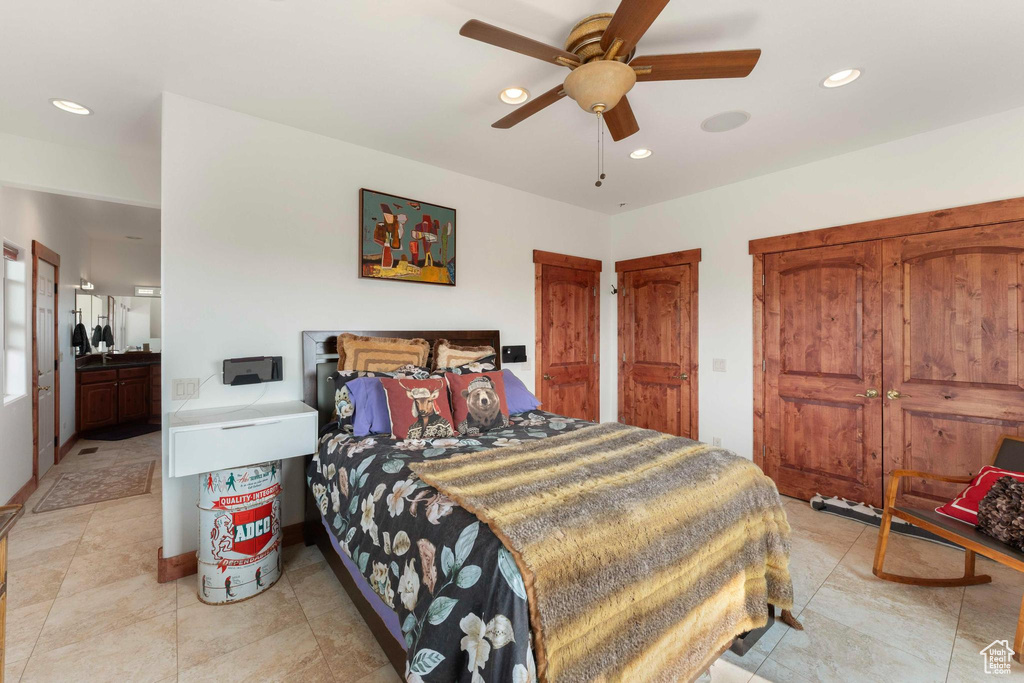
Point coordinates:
[(456, 589)]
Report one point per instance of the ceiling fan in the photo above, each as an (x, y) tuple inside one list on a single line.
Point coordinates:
[(599, 52)]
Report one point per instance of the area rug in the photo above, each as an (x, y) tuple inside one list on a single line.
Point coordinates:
[(121, 432), (870, 515), (94, 486)]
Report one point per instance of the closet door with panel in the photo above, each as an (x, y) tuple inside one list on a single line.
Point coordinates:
[(953, 352), (823, 371)]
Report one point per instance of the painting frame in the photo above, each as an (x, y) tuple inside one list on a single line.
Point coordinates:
[(366, 266)]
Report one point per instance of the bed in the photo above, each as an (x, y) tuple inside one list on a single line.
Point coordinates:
[(380, 527)]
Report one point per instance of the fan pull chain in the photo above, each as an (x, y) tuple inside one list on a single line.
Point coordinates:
[(600, 149)]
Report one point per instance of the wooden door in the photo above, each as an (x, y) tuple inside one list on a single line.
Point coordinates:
[(954, 352), (46, 369), (97, 405), (657, 342), (567, 354), (132, 399), (823, 353)]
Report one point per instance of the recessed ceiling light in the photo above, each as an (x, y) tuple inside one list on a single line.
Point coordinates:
[(71, 107), (514, 95), (841, 78), (727, 120), (641, 153)]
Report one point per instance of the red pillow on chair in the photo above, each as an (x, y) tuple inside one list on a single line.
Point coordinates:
[(965, 506)]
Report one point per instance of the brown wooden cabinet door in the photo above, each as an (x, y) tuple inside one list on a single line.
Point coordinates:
[(654, 338), (823, 352), (133, 398), (567, 341), (954, 352), (98, 405)]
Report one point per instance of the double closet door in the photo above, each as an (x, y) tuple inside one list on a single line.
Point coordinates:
[(900, 353)]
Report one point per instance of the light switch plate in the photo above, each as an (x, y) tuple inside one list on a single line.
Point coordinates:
[(718, 365), (183, 389)]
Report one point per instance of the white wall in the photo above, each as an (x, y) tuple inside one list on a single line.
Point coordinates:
[(260, 243), (116, 266), (25, 216), (973, 162), (40, 165)]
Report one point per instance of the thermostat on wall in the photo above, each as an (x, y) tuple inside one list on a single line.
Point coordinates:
[(252, 370)]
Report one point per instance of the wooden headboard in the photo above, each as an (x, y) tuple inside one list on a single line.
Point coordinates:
[(320, 357)]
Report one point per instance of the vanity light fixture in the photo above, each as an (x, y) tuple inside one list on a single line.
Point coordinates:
[(86, 285), (71, 107), (514, 95), (841, 78), (641, 153)]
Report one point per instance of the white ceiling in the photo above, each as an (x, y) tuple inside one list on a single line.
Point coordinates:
[(395, 75)]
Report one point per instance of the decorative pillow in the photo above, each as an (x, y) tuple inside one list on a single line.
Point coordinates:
[(448, 355), (344, 402), (1001, 512), (517, 396), (380, 354), (371, 415), (965, 506), (479, 402), (418, 408), (485, 364)]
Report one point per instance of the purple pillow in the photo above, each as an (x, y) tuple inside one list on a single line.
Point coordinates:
[(517, 396), (371, 407)]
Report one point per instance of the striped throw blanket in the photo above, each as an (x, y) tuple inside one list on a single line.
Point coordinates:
[(643, 554)]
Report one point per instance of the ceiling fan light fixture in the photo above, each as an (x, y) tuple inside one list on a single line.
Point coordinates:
[(641, 153), (514, 95), (841, 78), (598, 86)]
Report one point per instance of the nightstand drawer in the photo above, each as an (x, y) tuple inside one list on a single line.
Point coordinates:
[(241, 439)]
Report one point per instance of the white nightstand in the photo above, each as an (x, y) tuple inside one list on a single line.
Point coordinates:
[(233, 436)]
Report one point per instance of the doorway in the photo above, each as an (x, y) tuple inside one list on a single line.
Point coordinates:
[(45, 359), (658, 342), (567, 334)]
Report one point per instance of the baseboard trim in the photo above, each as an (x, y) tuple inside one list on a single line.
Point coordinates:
[(66, 448), (186, 564), (24, 492)]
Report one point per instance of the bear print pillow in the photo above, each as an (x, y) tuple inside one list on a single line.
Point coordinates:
[(478, 401)]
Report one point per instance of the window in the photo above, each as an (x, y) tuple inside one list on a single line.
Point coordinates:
[(14, 364)]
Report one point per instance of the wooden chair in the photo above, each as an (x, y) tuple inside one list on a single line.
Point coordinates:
[(1009, 456)]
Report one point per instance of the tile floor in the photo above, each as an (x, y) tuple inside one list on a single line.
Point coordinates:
[(85, 606)]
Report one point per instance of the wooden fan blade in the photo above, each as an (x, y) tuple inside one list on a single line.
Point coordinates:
[(728, 64), (630, 23), (620, 120), (486, 33), (530, 108)]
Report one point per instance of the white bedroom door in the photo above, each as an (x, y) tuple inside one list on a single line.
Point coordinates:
[(46, 277)]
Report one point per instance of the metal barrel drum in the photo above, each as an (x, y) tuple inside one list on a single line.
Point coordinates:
[(239, 532)]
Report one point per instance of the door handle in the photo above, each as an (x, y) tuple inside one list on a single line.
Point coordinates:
[(895, 395), (546, 376), (870, 393), (683, 375)]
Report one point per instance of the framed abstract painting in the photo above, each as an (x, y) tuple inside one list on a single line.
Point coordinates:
[(405, 239)]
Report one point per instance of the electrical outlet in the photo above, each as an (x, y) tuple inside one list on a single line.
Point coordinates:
[(718, 365), (183, 389), (716, 441)]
